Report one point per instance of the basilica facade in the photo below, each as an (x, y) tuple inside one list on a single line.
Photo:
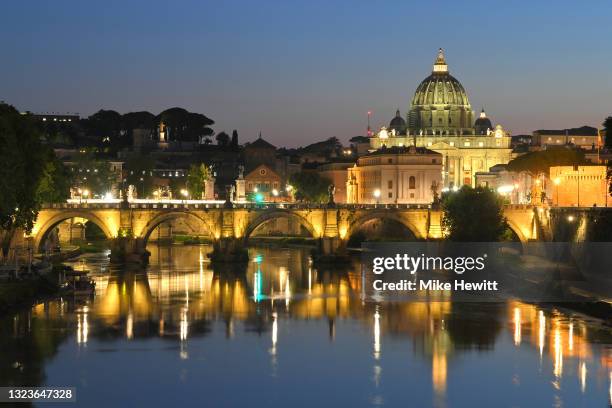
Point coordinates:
[(441, 119)]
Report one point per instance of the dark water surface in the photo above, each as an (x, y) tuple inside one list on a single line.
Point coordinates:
[(285, 334)]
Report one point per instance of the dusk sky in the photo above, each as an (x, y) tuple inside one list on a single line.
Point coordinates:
[(303, 72)]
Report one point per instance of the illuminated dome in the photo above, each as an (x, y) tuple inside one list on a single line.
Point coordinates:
[(440, 104), (398, 124), (483, 125)]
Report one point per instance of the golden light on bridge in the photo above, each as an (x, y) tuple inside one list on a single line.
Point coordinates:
[(517, 326)]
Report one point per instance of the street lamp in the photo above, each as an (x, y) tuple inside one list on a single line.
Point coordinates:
[(377, 195), (557, 181), (85, 194), (184, 193)]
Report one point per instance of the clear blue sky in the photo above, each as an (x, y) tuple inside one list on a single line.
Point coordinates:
[(308, 70)]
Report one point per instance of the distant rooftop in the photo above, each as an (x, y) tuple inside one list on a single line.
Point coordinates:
[(261, 144), (580, 131)]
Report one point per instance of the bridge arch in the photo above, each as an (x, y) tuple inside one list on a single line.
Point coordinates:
[(173, 215), (60, 217), (516, 229), (355, 225), (275, 214)]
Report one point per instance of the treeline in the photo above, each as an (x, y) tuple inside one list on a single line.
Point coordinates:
[(113, 131)]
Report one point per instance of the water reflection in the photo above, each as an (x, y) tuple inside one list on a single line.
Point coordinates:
[(181, 298)]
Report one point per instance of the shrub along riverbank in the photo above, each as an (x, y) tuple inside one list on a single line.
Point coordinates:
[(23, 292)]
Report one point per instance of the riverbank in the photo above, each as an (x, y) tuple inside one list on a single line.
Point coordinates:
[(17, 293)]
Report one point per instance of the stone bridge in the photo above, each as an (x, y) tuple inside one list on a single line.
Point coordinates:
[(230, 227)]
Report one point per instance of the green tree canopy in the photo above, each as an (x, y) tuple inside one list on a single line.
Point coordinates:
[(310, 187), (28, 174), (541, 161), (473, 215), (56, 180), (196, 177)]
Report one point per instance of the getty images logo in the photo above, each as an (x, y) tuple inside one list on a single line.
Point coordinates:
[(414, 264)]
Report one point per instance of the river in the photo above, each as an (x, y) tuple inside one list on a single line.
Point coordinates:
[(286, 334)]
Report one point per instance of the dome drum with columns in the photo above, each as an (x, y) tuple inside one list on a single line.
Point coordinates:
[(440, 118)]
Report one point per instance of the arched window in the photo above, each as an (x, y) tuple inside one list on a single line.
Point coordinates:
[(412, 183)]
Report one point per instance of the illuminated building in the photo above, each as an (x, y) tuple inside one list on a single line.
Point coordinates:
[(585, 137), (396, 175), (263, 180), (441, 119), (336, 173), (578, 186)]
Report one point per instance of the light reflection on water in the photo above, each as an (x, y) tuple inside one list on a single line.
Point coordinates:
[(290, 334)]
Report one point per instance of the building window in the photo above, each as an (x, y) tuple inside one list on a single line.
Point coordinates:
[(390, 184), (390, 194), (433, 161), (389, 161), (411, 195), (412, 183)]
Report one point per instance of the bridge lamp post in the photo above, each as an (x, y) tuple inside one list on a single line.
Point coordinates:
[(184, 193), (85, 194), (377, 195), (289, 190), (557, 181), (142, 192)]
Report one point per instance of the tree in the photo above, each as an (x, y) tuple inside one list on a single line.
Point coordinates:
[(607, 130), (23, 162), (56, 180), (234, 142), (473, 215), (197, 175), (137, 120), (309, 186), (105, 126), (184, 126), (223, 139), (541, 161)]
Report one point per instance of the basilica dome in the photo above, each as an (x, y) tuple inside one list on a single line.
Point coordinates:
[(483, 125), (440, 104), (398, 124)]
